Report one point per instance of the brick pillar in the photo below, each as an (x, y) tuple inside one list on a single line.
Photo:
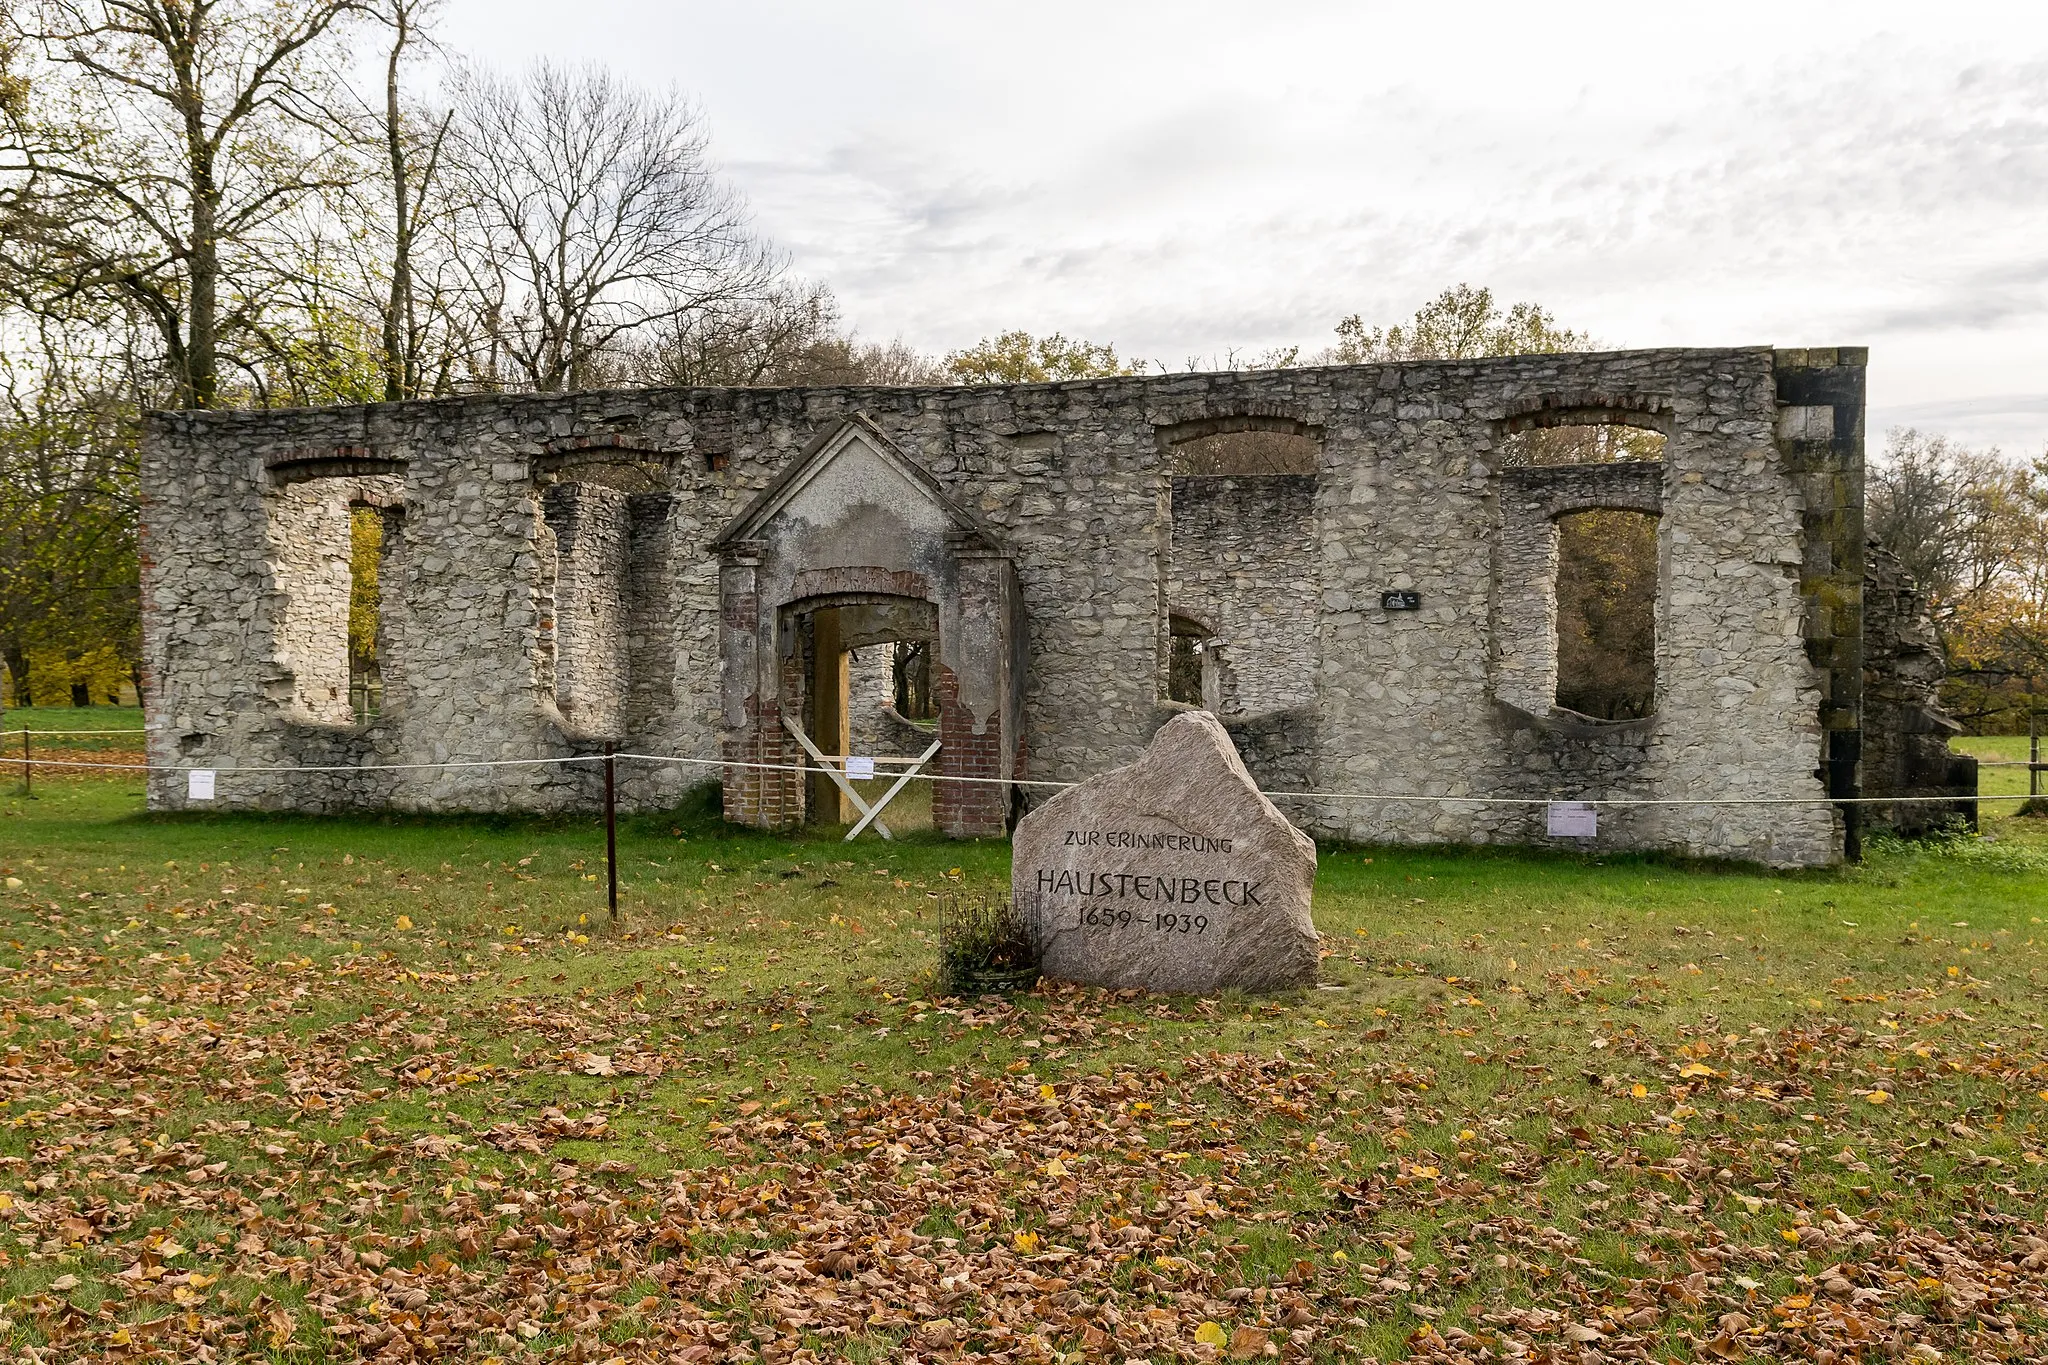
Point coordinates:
[(753, 724), (975, 686)]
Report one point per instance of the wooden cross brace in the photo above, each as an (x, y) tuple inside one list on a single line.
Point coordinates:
[(836, 771)]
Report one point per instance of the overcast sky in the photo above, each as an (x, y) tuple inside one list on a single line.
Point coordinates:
[(1181, 179)]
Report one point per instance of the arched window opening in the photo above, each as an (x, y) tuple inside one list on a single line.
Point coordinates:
[(1607, 614), (1240, 561), (365, 612), (1580, 443), (1247, 452), (1191, 663)]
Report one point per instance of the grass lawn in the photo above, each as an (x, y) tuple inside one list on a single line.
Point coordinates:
[(73, 718), (300, 1090), (2000, 781), (84, 734)]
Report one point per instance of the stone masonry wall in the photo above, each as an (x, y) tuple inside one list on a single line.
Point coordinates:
[(1244, 567), (592, 528), (1905, 730), (310, 603), (1072, 481), (871, 708)]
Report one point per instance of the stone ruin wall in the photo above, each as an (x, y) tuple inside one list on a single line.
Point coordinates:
[(494, 569), (588, 528), (876, 727), (1905, 732), (1244, 566), (870, 691)]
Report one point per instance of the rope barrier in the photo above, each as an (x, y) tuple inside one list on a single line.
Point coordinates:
[(1605, 802), (1377, 796), (8, 734), (312, 768)]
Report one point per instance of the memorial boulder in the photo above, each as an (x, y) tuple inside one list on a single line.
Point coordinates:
[(1172, 874)]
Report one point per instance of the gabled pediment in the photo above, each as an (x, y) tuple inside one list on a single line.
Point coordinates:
[(853, 458)]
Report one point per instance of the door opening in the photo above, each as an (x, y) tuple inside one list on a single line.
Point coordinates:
[(863, 663)]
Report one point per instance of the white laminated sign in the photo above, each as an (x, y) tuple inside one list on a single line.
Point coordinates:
[(860, 769), (199, 784), (1573, 820)]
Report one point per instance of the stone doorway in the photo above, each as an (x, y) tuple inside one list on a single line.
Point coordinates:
[(856, 546)]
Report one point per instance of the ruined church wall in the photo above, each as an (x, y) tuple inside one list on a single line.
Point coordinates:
[(471, 600), (1244, 566), (467, 678), (875, 726), (592, 530), (1906, 732), (1408, 499), (1074, 480)]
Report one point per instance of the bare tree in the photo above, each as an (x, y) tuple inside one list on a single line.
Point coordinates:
[(155, 151), (376, 303), (791, 334), (588, 213), (1247, 452), (1957, 518)]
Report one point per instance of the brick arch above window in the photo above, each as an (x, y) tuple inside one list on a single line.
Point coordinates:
[(1243, 444), (307, 463), (1195, 429), (1588, 409), (617, 462)]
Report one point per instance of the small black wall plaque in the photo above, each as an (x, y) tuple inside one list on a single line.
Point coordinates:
[(1401, 600)]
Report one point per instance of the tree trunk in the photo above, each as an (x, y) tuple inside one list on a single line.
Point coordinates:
[(399, 381), (202, 320), (202, 342), (17, 667)]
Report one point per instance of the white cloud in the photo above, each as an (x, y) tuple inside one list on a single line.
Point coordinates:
[(2012, 422), (1179, 179)]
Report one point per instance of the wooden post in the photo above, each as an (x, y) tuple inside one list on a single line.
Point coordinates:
[(2033, 753), (611, 833), (829, 719)]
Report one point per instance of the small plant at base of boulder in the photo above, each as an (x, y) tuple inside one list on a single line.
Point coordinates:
[(987, 945)]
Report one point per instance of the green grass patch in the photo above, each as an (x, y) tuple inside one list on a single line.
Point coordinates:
[(315, 1089), (2000, 781)]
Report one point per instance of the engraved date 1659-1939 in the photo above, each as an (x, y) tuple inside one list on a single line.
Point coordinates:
[(1165, 921)]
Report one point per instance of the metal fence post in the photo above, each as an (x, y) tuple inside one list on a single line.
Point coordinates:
[(611, 834)]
